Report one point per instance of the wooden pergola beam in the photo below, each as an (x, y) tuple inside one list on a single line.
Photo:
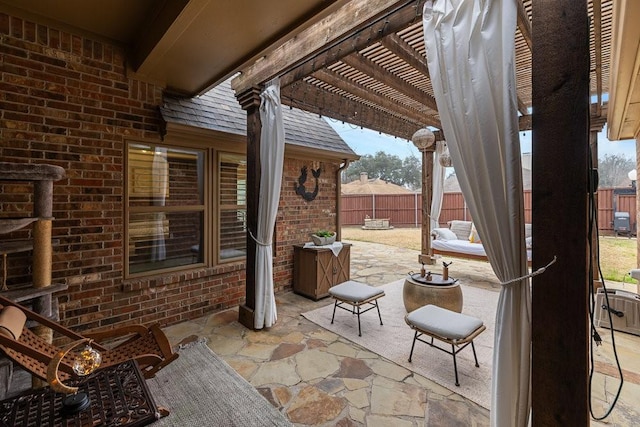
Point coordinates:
[(524, 24), (377, 72), (524, 123), (310, 98), (597, 40), (403, 50), (522, 108), (358, 24), (340, 82)]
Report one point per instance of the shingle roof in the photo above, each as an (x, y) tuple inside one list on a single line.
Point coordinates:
[(451, 184), (366, 185), (219, 110)]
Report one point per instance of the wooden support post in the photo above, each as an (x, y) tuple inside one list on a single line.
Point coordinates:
[(637, 208), (425, 141), (560, 331), (250, 101), (597, 123), (42, 252)]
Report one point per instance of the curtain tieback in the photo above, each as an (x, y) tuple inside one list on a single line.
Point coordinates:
[(534, 273), (260, 243)]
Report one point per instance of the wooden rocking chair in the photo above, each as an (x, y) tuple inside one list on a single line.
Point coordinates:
[(148, 346)]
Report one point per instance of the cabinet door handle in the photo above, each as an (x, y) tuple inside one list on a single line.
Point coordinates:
[(335, 270)]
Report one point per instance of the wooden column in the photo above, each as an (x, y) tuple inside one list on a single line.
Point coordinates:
[(637, 204), (250, 101), (597, 123), (560, 332), (425, 141)]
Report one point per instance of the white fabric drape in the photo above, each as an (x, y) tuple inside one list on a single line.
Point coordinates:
[(271, 164), (470, 54), (438, 184)]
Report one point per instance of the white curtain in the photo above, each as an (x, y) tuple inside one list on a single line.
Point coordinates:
[(438, 184), (271, 164), (470, 54)]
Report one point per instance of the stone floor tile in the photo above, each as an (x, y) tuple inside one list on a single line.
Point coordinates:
[(341, 349), (222, 345), (355, 384), (315, 363), (312, 383), (353, 368), (330, 385), (232, 330), (358, 398), (315, 343), (293, 338), (378, 421), (357, 414), (222, 318), (176, 332), (285, 350), (432, 386), (324, 335), (388, 369), (282, 394), (258, 351), (279, 372), (246, 368), (366, 354), (447, 413), (312, 407), (398, 399)]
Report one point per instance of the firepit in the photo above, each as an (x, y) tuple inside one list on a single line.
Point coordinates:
[(433, 289)]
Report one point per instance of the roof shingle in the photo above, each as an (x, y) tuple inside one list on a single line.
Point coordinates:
[(219, 110)]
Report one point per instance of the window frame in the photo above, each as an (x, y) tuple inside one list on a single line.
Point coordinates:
[(219, 208), (212, 144), (129, 210)]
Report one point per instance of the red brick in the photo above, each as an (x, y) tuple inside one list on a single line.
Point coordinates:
[(83, 124)]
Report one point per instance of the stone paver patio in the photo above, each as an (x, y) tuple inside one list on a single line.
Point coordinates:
[(316, 377)]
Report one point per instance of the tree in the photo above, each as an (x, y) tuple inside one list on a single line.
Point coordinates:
[(387, 167), (613, 170), (412, 172)]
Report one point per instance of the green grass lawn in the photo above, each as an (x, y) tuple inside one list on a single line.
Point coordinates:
[(617, 257), (617, 254)]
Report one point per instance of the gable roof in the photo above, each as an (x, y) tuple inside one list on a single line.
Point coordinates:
[(219, 110), (366, 185), (451, 184)]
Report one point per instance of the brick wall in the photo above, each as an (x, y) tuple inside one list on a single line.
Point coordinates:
[(298, 218), (67, 100)]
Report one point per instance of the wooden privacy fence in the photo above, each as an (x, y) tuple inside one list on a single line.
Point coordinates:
[(405, 210)]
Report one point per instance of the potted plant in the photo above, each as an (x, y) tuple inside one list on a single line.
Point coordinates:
[(323, 237)]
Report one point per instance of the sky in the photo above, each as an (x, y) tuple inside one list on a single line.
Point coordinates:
[(365, 141)]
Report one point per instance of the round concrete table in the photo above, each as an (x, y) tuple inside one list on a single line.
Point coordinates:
[(418, 292)]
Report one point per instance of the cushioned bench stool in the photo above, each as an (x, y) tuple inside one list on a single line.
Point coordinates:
[(452, 328), (355, 294)]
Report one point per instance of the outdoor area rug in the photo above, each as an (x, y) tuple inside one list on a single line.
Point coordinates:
[(201, 389), (393, 340)]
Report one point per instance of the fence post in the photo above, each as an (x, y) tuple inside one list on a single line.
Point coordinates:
[(415, 210), (373, 203)]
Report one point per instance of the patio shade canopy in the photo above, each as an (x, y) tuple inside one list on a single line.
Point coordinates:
[(373, 73), (365, 65)]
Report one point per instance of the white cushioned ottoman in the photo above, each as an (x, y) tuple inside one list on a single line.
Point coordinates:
[(355, 294), (448, 326)]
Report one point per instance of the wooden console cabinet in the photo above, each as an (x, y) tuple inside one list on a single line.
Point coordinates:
[(316, 269)]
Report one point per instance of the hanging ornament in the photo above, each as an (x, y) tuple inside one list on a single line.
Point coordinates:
[(445, 160)]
